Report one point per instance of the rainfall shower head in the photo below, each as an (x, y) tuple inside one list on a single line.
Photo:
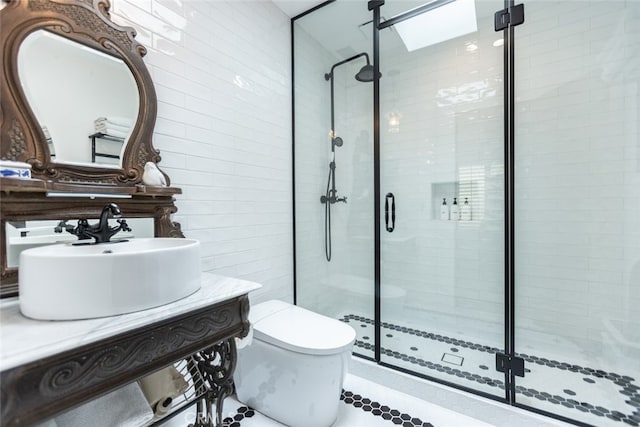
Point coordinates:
[(365, 74)]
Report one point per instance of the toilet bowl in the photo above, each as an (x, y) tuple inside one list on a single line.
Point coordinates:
[(294, 368)]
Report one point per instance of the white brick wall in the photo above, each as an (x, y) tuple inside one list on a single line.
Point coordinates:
[(222, 74)]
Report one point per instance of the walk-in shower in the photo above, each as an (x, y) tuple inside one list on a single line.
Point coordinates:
[(331, 193), (532, 298)]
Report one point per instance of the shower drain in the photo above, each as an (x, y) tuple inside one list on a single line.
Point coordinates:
[(452, 358)]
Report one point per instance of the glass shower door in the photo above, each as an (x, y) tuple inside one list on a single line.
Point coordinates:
[(577, 147), (442, 185)]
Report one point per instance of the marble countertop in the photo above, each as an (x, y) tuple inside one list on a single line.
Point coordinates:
[(24, 340)]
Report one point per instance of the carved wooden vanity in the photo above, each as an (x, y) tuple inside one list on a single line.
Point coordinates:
[(50, 367)]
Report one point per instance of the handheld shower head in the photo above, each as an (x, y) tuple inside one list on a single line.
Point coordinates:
[(337, 142)]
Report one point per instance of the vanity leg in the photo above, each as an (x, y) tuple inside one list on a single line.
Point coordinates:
[(216, 365), (203, 417), (209, 400), (225, 391)]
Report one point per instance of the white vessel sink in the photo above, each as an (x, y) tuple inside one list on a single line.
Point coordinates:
[(66, 282)]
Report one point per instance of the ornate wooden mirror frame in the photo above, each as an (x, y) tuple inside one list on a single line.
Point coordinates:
[(82, 190), (86, 22)]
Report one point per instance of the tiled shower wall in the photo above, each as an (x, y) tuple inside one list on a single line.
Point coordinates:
[(578, 177), (312, 160), (448, 143), (222, 73), (346, 282), (578, 256)]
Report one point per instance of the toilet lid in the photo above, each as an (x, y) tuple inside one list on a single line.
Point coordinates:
[(300, 330)]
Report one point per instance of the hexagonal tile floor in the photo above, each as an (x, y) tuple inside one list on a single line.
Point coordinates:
[(363, 404)]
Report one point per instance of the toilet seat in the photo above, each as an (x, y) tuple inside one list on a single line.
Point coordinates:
[(297, 329)]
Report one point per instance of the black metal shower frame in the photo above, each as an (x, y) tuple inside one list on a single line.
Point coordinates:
[(509, 196)]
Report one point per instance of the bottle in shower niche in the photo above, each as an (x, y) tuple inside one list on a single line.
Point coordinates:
[(465, 211), (444, 210), (455, 212)]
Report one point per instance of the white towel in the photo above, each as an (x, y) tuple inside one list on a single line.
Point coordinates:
[(116, 120), (113, 132), (126, 406), (45, 130), (110, 125)]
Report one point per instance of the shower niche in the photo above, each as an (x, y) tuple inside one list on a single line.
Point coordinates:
[(469, 191)]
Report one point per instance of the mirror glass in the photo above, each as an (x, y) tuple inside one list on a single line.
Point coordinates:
[(85, 101), (22, 235)]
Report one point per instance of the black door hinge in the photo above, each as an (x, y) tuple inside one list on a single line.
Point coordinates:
[(511, 16), (372, 4), (504, 363)]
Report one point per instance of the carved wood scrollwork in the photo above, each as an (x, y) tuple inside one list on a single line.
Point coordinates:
[(87, 22), (164, 225), (17, 146), (39, 390)]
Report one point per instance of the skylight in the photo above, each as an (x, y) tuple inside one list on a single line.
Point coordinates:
[(446, 22)]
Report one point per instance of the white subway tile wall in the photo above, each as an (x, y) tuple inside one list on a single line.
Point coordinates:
[(312, 162), (445, 141), (578, 178), (577, 186), (448, 143), (329, 287), (222, 73)]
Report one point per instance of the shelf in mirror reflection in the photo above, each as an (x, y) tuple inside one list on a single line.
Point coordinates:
[(62, 189), (76, 91)]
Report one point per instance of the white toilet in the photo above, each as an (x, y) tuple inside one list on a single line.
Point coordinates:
[(294, 369)]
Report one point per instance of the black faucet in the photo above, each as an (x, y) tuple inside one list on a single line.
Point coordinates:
[(101, 231)]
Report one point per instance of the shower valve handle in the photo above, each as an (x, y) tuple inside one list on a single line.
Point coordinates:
[(332, 199)]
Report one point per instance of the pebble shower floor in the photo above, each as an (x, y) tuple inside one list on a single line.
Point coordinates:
[(594, 396)]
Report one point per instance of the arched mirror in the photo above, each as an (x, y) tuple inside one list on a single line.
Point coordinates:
[(93, 125), (77, 100), (77, 104)]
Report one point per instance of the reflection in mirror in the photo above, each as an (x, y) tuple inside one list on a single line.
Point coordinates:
[(22, 235), (86, 102)]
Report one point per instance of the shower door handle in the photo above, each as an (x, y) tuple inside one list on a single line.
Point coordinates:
[(391, 197)]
